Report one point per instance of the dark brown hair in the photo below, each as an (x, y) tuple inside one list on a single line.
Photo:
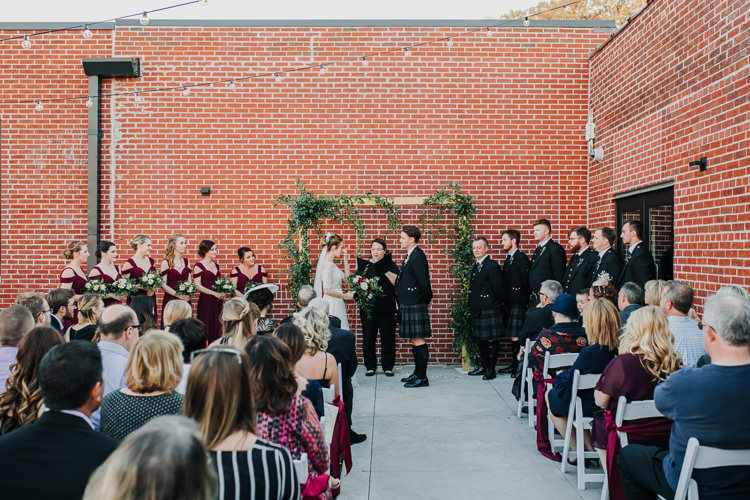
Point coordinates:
[(271, 374), (607, 291), (291, 335), (205, 247), (242, 251), (103, 248), (609, 233), (543, 222), (381, 242), (412, 232), (513, 235)]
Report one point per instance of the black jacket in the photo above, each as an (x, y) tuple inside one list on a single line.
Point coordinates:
[(625, 313), (609, 263), (386, 303), (548, 263), (486, 286), (536, 320), (51, 458), (640, 268), (413, 284), (516, 279), (342, 346), (578, 272)]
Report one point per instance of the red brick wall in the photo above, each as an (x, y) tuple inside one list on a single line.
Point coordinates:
[(504, 115), (671, 87)]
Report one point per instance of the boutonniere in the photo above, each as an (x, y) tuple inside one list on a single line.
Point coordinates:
[(543, 249)]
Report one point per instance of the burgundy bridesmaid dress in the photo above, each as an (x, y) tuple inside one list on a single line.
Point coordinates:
[(79, 284), (209, 307), (108, 280), (172, 277)]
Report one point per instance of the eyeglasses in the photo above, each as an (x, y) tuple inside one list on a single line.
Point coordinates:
[(702, 324), (220, 350), (137, 327)]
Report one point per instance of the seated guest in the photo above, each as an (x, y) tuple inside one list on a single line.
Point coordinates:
[(90, 307), (604, 290), (707, 403), (175, 310), (291, 335), (249, 467), (676, 302), (316, 364), (37, 304), (735, 290), (284, 417), (15, 322), (54, 456), (192, 333), (262, 296), (61, 306), (19, 404), (304, 296), (240, 320), (153, 372), (652, 292), (646, 359), (565, 335), (163, 460), (630, 298), (582, 297), (603, 333), (144, 308), (540, 317)]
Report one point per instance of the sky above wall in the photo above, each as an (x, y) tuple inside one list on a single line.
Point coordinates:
[(94, 10)]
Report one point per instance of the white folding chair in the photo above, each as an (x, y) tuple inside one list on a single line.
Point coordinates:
[(554, 362), (705, 457), (580, 383), (341, 378), (301, 467), (523, 398), (329, 394)]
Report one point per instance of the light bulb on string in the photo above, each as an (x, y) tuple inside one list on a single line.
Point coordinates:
[(365, 62), (203, 3), (232, 85), (278, 77), (144, 19), (449, 42), (567, 8), (185, 91), (87, 33), (489, 31), (407, 53), (26, 43), (322, 68), (89, 103), (138, 97), (526, 21), (38, 106)]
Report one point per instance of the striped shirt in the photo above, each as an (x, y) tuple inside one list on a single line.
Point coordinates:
[(266, 472)]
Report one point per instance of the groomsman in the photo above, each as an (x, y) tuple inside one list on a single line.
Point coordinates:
[(639, 264), (582, 261), (414, 294), (485, 301), (548, 262), (608, 261), (515, 292)]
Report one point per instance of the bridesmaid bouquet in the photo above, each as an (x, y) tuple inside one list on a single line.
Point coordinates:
[(150, 281), (186, 288), (250, 285), (223, 285), (366, 291), (122, 286), (97, 287)]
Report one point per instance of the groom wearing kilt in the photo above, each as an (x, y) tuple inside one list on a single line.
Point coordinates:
[(414, 294), (485, 301)]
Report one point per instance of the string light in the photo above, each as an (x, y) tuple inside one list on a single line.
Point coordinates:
[(489, 31), (89, 103), (526, 21), (322, 68), (26, 44), (186, 91), (232, 85), (567, 8), (138, 97), (38, 106), (449, 42), (203, 3), (406, 51), (144, 19), (364, 61), (278, 77), (87, 34)]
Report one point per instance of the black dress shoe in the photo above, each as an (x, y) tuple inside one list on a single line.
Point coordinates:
[(389, 373), (369, 373), (476, 371), (355, 438), (418, 382), (507, 369), (489, 375), (410, 378)]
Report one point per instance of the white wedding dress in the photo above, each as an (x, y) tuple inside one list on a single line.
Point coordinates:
[(331, 277)]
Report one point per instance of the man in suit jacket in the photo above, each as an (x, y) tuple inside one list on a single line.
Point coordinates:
[(630, 298), (582, 261), (548, 262), (541, 316), (485, 301), (54, 456), (608, 261), (515, 292), (414, 294), (61, 303), (639, 264)]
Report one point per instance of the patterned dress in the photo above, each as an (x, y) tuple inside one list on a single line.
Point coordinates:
[(243, 279), (209, 307), (298, 430), (108, 280), (172, 277)]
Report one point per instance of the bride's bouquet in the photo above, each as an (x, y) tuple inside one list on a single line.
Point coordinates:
[(97, 287), (186, 288), (150, 281), (223, 285), (366, 291), (122, 286)]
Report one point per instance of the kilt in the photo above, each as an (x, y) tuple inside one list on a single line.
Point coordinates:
[(487, 324), (514, 317), (414, 322)]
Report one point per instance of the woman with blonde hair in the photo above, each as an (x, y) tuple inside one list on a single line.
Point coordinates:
[(653, 289), (72, 275), (220, 398), (316, 364), (153, 371), (174, 311), (163, 460), (90, 307), (174, 269), (239, 322), (647, 357)]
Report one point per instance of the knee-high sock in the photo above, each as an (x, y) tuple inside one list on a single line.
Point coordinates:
[(421, 357)]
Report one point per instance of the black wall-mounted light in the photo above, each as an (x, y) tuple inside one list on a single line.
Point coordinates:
[(205, 191), (702, 163)]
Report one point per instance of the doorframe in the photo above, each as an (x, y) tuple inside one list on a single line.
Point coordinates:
[(642, 199)]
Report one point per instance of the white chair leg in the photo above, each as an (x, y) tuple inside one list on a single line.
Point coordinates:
[(580, 460), (532, 400), (566, 446), (605, 486)]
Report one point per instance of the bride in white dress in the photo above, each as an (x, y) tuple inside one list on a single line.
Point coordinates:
[(328, 278)]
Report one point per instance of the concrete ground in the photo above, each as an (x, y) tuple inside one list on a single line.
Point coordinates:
[(457, 439)]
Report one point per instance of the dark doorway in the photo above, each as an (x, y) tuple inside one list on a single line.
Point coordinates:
[(655, 209)]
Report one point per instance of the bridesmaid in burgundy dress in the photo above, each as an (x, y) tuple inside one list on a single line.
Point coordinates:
[(72, 276), (106, 270), (139, 264), (247, 271), (205, 273), (174, 268)]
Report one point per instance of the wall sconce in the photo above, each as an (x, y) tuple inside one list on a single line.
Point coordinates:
[(702, 163), (205, 191)]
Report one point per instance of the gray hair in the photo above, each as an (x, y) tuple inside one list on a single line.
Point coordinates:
[(34, 301), (305, 295), (680, 294), (735, 290), (15, 322), (633, 293), (320, 304), (729, 316), (552, 289)]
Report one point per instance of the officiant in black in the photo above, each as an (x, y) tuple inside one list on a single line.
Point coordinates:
[(383, 312)]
